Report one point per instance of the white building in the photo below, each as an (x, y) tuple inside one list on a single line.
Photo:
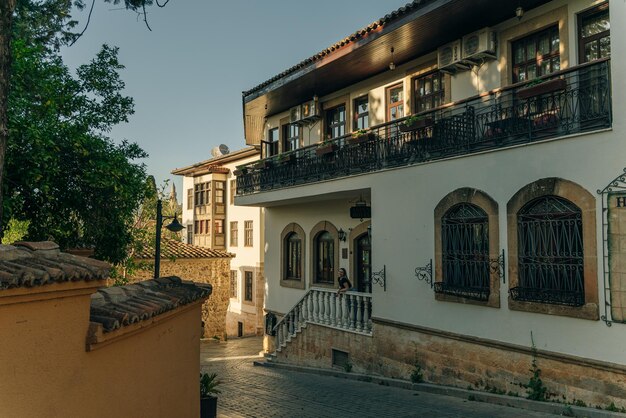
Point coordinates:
[(213, 221), (487, 235)]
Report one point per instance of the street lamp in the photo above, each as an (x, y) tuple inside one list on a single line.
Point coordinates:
[(174, 226)]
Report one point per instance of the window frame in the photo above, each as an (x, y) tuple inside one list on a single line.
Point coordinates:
[(190, 197), (234, 285), (234, 234), (270, 147), (536, 36), (233, 190), (285, 281), (399, 103), (362, 117), (248, 233), (582, 42), (340, 126), (219, 193), (483, 201), (584, 200), (248, 293), (291, 142), (313, 234), (431, 97)]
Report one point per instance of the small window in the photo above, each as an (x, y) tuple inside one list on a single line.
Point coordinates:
[(428, 91), (536, 55), (234, 234), (189, 198), (594, 35), (233, 284), (292, 137), (550, 253), (361, 113), (248, 290), (248, 234), (395, 103), (324, 258), (219, 226), (293, 257), (196, 227), (336, 122), (233, 191), (190, 234), (219, 192), (270, 147)]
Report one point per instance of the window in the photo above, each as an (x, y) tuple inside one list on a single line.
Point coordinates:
[(219, 192), (536, 55), (202, 194), (190, 234), (234, 237), (361, 113), (189, 198), (292, 137), (428, 91), (233, 284), (395, 103), (550, 252), (196, 227), (219, 226), (336, 122), (247, 231), (233, 190), (324, 258), (248, 289), (594, 40), (270, 147), (293, 257), (465, 252)]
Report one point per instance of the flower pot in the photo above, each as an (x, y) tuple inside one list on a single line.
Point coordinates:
[(208, 407), (415, 125), (361, 138), (325, 149), (546, 87)]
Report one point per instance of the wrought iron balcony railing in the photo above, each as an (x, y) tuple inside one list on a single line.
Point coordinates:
[(571, 101)]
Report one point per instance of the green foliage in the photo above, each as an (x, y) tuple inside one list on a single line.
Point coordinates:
[(347, 367), (16, 230), (412, 119), (64, 175), (535, 389), (208, 384)]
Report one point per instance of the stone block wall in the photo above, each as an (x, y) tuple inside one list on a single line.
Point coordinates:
[(460, 361), (216, 272)]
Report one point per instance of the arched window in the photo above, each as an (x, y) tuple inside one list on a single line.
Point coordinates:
[(550, 252), (293, 257), (324, 258), (465, 252)]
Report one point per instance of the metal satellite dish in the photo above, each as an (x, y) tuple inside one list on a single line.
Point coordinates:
[(224, 149)]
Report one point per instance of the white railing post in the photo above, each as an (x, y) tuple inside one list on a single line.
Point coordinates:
[(359, 318), (316, 307), (352, 313), (346, 314), (333, 308), (367, 314)]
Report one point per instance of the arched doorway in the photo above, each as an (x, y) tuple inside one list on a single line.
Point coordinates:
[(363, 263)]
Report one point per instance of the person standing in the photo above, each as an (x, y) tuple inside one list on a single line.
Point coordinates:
[(344, 282)]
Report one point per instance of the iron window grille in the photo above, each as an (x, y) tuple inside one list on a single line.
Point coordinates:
[(293, 257), (550, 253), (465, 253)]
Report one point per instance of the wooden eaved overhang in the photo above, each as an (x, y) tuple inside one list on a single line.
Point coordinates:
[(414, 30)]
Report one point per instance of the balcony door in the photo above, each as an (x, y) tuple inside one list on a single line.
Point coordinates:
[(395, 107)]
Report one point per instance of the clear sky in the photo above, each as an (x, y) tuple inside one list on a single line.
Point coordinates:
[(187, 75)]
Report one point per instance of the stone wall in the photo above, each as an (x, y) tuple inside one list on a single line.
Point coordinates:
[(461, 361), (216, 272)]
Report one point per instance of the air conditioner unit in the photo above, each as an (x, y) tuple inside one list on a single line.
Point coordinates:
[(310, 109), (449, 57), (479, 45), (294, 114)]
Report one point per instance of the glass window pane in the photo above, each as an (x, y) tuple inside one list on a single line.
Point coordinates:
[(531, 71), (605, 47), (531, 52)]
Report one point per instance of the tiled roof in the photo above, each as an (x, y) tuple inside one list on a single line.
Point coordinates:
[(28, 264), (118, 306), (388, 18), (171, 248), (214, 165)]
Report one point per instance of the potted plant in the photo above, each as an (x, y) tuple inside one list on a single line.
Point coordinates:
[(539, 87), (326, 147), (286, 158), (415, 122), (265, 163), (208, 388), (360, 136)]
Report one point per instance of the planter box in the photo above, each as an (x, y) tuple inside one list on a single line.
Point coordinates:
[(286, 159), (325, 149), (263, 164), (370, 136), (208, 407), (418, 124), (546, 87)]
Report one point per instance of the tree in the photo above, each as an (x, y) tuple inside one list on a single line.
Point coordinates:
[(57, 17), (64, 175)]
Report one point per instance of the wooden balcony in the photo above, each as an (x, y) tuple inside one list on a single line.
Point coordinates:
[(571, 101)]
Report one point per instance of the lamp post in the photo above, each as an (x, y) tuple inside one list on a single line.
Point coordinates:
[(174, 226)]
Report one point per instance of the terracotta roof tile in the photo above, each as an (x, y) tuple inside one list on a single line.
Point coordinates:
[(171, 248), (28, 264), (115, 307)]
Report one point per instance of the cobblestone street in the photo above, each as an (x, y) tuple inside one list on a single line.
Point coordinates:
[(252, 391)]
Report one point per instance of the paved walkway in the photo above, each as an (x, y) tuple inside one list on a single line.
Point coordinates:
[(249, 391)]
